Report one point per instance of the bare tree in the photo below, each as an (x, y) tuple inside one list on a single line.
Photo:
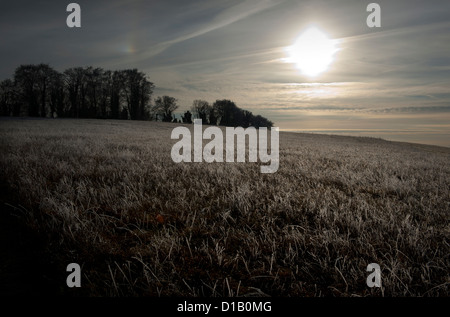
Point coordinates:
[(137, 92), (164, 107), (46, 77), (25, 79), (8, 101), (73, 78), (57, 95), (34, 87), (201, 109)]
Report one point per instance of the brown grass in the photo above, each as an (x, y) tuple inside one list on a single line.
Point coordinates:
[(106, 194)]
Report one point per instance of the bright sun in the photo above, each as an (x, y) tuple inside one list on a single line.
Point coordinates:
[(312, 52)]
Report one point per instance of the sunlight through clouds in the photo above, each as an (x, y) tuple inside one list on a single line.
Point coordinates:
[(312, 52)]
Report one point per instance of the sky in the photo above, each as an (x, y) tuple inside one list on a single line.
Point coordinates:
[(391, 82)]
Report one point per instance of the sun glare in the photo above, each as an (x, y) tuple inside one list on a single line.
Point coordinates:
[(312, 52)]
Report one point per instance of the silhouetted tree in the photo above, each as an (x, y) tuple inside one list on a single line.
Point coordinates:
[(34, 87), (259, 121), (46, 76), (137, 92), (88, 92), (73, 78), (212, 118), (187, 117), (146, 91), (93, 78), (247, 118), (117, 83), (105, 95), (8, 99), (26, 81), (164, 107), (226, 112), (57, 95), (201, 109)]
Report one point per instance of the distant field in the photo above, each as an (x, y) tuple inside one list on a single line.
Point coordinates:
[(106, 195)]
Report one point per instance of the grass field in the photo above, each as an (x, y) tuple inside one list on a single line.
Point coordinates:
[(107, 195)]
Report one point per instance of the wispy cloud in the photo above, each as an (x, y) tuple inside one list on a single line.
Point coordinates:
[(228, 16)]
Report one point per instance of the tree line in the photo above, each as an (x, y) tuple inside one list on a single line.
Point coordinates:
[(88, 92), (225, 112)]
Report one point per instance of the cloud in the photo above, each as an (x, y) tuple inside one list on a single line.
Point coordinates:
[(422, 109), (226, 17)]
